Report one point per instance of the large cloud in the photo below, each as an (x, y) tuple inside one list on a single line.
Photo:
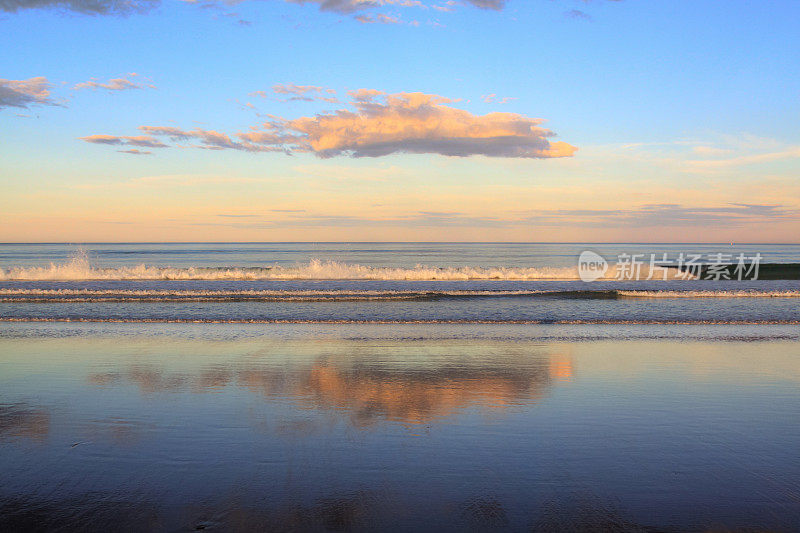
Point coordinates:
[(91, 7), (412, 123), (23, 93), (379, 125)]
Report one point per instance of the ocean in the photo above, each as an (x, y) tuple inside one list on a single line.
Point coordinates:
[(394, 387), (381, 282)]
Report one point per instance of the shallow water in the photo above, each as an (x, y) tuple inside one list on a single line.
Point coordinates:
[(399, 427)]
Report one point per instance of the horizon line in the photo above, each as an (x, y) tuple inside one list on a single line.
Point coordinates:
[(11, 243)]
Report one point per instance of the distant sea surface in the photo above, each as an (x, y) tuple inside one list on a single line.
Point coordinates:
[(380, 282)]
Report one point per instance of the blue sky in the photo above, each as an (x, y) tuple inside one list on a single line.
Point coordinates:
[(674, 112)]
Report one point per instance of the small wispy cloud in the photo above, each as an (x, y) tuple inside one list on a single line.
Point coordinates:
[(303, 93), (721, 163), (577, 14), (87, 7), (373, 11), (291, 88), (380, 18), (252, 215), (115, 84), (665, 215), (25, 93), (364, 95), (644, 216), (348, 7), (299, 218), (492, 99), (715, 155), (114, 140), (207, 139)]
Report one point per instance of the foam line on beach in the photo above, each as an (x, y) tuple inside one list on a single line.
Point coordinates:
[(156, 295), (433, 321)]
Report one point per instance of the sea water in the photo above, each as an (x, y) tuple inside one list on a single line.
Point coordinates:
[(391, 387)]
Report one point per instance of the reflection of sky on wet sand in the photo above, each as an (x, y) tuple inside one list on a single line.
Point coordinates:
[(349, 511), (337, 434)]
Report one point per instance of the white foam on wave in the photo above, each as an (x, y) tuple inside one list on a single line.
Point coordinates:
[(711, 294), (255, 293), (54, 295), (112, 295), (80, 268), (576, 322)]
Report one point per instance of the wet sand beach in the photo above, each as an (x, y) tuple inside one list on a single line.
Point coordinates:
[(179, 427)]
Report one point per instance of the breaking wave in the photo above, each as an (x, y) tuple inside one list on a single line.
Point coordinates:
[(80, 268)]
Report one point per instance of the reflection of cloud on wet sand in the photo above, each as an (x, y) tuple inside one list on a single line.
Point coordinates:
[(561, 368), (119, 431), (370, 394), (149, 378), (368, 391), (23, 420)]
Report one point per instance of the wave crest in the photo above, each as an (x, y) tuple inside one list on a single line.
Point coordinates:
[(81, 268)]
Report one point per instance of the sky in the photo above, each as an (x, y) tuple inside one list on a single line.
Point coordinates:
[(399, 120)]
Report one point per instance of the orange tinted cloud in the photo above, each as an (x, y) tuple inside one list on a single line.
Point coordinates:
[(377, 124), (114, 84), (22, 93), (420, 123)]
